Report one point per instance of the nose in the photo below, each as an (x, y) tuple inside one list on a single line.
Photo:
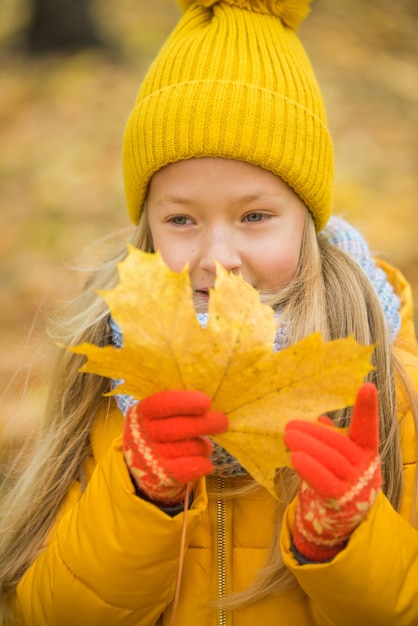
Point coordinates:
[(221, 248)]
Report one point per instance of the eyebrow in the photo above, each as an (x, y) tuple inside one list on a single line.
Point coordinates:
[(246, 198), (256, 195), (173, 200)]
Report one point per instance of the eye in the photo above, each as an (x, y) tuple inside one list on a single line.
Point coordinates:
[(256, 216), (180, 220)]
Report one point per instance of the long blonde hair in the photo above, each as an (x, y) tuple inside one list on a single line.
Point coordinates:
[(330, 294)]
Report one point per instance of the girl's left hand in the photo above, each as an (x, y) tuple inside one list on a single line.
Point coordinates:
[(340, 477)]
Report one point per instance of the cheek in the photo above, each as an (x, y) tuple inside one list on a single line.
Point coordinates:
[(280, 265), (174, 255)]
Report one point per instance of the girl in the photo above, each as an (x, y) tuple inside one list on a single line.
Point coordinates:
[(227, 157)]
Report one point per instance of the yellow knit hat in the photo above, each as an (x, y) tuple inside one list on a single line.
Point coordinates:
[(233, 81)]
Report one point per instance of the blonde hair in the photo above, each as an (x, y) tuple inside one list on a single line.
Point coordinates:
[(329, 293)]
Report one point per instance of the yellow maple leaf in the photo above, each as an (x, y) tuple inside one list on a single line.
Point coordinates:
[(232, 359)]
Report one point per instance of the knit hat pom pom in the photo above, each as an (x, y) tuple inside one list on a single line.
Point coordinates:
[(291, 12)]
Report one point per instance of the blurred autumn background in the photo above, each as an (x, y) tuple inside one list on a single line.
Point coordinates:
[(70, 70)]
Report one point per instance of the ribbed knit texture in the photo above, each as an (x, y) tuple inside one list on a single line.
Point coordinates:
[(235, 83)]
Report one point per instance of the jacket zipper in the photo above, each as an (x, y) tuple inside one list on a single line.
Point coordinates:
[(221, 515)]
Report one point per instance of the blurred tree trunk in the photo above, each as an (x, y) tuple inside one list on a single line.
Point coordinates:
[(61, 25)]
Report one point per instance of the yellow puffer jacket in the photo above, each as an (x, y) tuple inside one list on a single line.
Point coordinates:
[(112, 558)]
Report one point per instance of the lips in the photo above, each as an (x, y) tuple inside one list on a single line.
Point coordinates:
[(203, 291), (201, 300)]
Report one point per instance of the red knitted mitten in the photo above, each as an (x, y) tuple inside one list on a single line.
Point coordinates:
[(340, 477), (165, 442)]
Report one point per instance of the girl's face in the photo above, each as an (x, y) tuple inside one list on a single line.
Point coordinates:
[(213, 209)]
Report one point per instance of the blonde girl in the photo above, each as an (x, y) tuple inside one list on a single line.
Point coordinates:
[(227, 157)]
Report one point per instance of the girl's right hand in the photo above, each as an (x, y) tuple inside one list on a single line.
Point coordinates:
[(166, 445)]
